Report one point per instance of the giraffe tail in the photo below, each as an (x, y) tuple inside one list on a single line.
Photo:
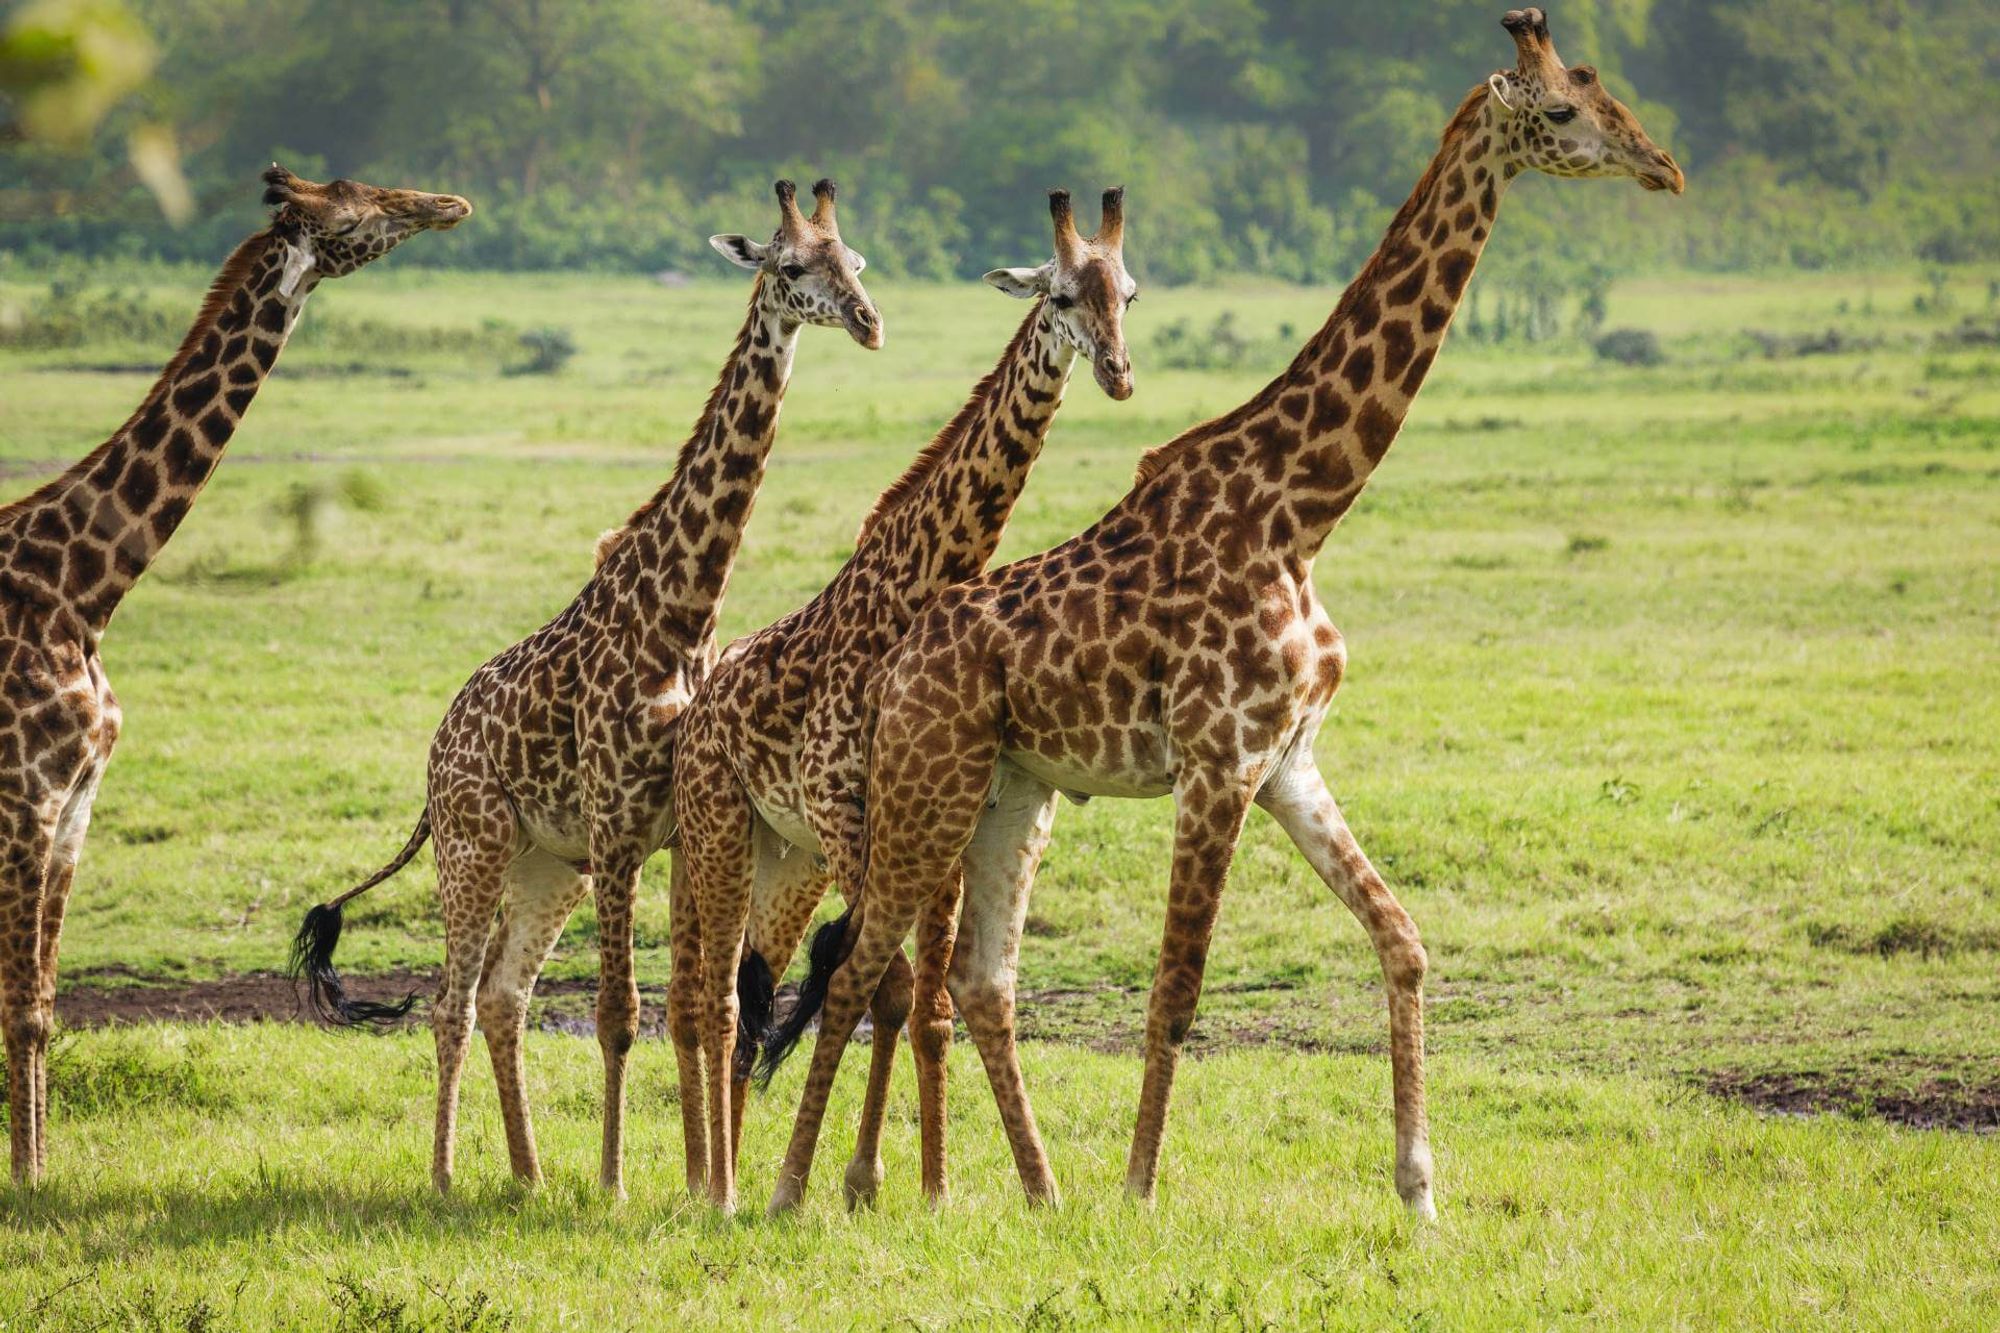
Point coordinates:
[(312, 951), (756, 993), (831, 944)]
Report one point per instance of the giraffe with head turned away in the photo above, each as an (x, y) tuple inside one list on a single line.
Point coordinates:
[(770, 778), (551, 775), (72, 550), (1177, 646)]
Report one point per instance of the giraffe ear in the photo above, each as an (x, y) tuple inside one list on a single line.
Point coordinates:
[(1020, 283), (1506, 89), (740, 251), (298, 259)]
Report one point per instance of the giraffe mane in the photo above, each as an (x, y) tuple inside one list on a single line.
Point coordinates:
[(1156, 460), (610, 542), (931, 455), (234, 271)]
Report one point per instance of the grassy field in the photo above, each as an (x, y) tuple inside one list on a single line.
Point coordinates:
[(1673, 716)]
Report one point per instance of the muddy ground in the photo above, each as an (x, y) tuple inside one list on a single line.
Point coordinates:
[(1109, 1019)]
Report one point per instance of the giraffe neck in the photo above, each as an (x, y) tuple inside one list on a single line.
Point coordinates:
[(1299, 453), (683, 542), (939, 523), (87, 536)]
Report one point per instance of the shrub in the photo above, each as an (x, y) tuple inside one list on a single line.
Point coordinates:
[(549, 350), (1630, 347)]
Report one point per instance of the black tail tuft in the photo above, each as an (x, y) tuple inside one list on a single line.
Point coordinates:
[(312, 962), (829, 950), (756, 991)]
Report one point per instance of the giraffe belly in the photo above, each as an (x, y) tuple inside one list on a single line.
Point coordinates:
[(1130, 780), (787, 823), (563, 834)]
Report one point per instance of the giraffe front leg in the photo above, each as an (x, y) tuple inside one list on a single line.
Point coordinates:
[(615, 884), (1305, 809), (684, 990), (24, 882), (53, 904), (1209, 812)]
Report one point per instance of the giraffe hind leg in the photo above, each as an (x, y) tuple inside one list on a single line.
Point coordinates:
[(471, 878), (540, 894), (1299, 800)]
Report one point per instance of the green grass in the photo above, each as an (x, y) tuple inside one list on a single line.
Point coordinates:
[(1673, 716), (1568, 1200)]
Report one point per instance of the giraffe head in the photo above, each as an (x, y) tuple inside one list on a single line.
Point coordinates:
[(1562, 121), (333, 229), (811, 275), (1087, 289)]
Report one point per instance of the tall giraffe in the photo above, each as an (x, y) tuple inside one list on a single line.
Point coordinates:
[(70, 552), (773, 761), (552, 772), (1178, 646)]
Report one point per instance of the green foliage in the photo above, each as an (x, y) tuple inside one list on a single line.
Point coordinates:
[(549, 350), (1267, 136), (1630, 347)]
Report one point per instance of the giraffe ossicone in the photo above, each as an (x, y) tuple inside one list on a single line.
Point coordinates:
[(1178, 645)]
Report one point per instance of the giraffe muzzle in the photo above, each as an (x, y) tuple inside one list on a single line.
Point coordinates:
[(448, 210), (1114, 376), (864, 326), (1665, 174)]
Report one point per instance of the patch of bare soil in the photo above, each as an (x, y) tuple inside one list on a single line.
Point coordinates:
[(1935, 1104)]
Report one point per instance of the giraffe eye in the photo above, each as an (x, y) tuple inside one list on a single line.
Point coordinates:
[(794, 271), (1560, 115), (1062, 302)]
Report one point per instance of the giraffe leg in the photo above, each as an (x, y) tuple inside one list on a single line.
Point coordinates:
[(1209, 812), (930, 1029), (684, 991), (616, 886), (540, 893), (26, 873), (1000, 864), (71, 827), (1299, 801), (470, 881), (787, 890), (890, 1008), (853, 985), (721, 865)]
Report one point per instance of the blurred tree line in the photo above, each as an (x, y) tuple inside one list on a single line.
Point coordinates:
[(1265, 136)]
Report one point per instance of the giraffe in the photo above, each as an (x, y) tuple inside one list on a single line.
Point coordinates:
[(71, 550), (552, 773), (1177, 646), (772, 763)]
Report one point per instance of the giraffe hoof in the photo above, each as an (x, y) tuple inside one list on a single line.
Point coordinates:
[(861, 1183), (1421, 1207), (785, 1198)]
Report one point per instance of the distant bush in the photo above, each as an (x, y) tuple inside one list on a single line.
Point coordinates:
[(1221, 346), (71, 315), (549, 350), (1780, 346), (1630, 347)]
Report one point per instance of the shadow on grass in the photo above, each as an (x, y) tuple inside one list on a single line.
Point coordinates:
[(108, 1223)]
